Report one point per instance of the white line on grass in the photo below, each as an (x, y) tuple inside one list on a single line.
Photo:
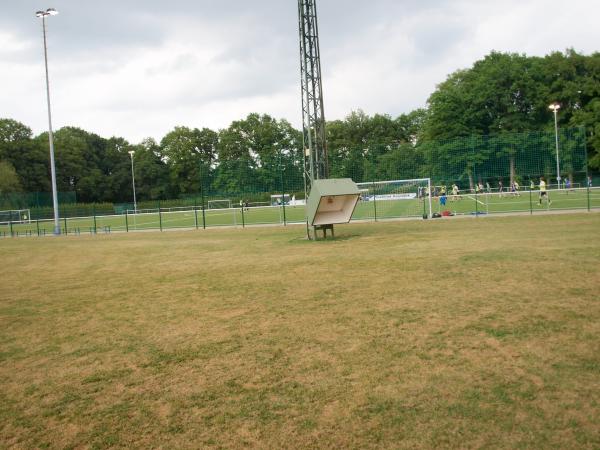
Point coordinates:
[(478, 201)]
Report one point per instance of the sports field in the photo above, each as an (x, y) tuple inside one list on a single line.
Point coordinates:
[(439, 333), (190, 217)]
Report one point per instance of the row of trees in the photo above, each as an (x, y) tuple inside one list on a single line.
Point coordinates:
[(249, 154), (500, 95)]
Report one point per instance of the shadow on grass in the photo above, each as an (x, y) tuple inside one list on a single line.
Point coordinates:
[(304, 240)]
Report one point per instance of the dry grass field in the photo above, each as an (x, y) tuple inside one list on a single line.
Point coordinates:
[(440, 333)]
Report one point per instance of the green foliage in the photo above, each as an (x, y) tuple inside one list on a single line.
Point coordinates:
[(511, 93), (186, 151), (151, 172), (25, 155), (9, 180), (253, 153)]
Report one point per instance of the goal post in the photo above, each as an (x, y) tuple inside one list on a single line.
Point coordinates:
[(219, 204), (15, 216), (398, 198)]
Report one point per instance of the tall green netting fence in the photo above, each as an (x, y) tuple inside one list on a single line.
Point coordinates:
[(20, 200), (483, 174), (470, 175)]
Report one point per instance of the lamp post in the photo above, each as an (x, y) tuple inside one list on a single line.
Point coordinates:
[(555, 107), (131, 153), (43, 15)]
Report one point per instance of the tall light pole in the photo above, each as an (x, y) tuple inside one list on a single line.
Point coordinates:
[(43, 15), (555, 107), (131, 153)]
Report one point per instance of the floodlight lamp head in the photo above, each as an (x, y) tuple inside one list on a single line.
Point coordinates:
[(131, 153), (48, 12), (554, 107)]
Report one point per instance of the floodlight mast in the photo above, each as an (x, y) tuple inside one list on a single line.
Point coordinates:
[(131, 153), (314, 144), (554, 107), (43, 15), (313, 116)]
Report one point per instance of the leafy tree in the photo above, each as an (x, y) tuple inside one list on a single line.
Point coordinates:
[(409, 127), (448, 106), (115, 166), (26, 156), (34, 165), (583, 98), (9, 180), (589, 117), (185, 151), (358, 141), (151, 172), (252, 152), (401, 162), (78, 156), (510, 93)]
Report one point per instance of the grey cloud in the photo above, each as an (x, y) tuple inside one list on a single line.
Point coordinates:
[(179, 63)]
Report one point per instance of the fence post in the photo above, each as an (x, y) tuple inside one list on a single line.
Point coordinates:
[(10, 225), (530, 200), (66, 230), (196, 212), (203, 211), (94, 212), (159, 216), (202, 189), (476, 204), (374, 201), (283, 205), (37, 226), (126, 221), (282, 188), (243, 220), (588, 178)]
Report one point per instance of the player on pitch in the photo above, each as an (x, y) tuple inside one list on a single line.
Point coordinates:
[(544, 192)]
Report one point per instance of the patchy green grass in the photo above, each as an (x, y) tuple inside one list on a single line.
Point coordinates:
[(187, 217), (441, 333)]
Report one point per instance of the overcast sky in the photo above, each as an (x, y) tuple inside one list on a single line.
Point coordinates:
[(136, 69)]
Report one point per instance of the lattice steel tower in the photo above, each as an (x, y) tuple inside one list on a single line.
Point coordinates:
[(313, 116)]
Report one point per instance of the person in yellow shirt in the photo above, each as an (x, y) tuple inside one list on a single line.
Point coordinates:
[(544, 192)]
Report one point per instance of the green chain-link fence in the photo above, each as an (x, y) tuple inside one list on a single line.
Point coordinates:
[(477, 174)]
